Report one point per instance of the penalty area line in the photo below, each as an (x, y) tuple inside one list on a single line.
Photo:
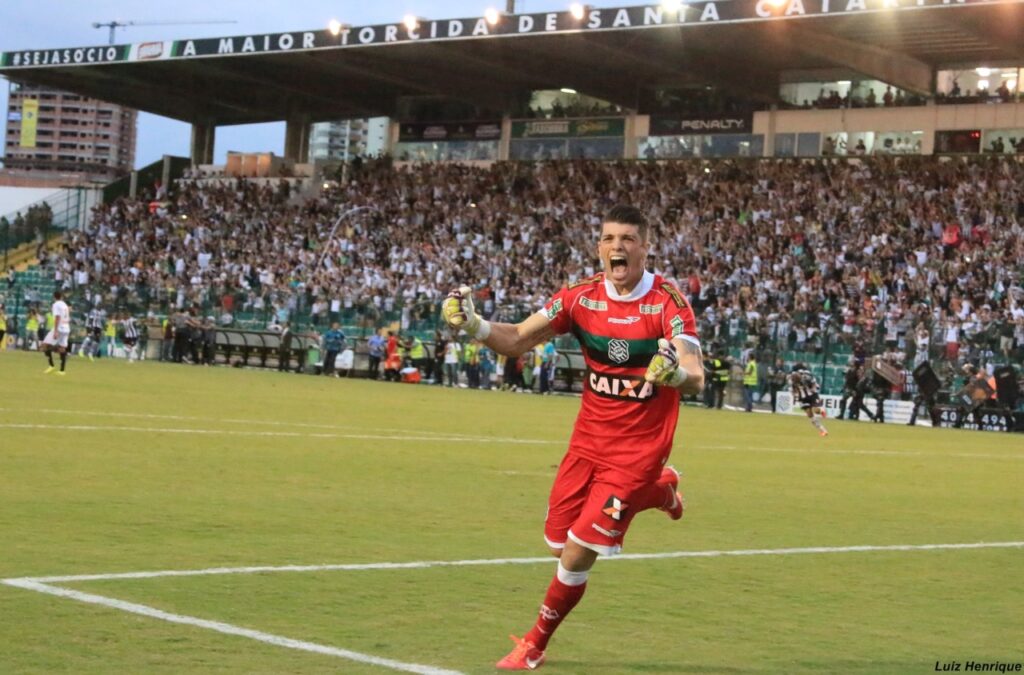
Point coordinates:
[(227, 628), (45, 585)]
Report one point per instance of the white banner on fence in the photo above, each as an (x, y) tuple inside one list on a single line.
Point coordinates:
[(895, 412)]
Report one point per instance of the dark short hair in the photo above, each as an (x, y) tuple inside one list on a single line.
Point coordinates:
[(57, 295), (626, 214)]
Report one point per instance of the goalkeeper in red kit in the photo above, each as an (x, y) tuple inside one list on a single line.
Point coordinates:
[(639, 339)]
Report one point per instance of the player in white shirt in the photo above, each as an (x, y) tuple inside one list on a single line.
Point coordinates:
[(58, 337), (131, 336), (805, 392)]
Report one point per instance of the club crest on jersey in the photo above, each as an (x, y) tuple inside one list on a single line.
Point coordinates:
[(596, 305), (614, 508), (627, 320), (556, 307), (652, 309), (618, 350), (611, 386)]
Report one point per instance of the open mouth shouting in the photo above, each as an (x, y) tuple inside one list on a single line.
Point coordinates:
[(618, 265)]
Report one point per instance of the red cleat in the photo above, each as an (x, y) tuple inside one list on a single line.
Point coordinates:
[(525, 656), (670, 479)]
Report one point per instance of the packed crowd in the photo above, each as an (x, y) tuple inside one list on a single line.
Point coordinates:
[(858, 250)]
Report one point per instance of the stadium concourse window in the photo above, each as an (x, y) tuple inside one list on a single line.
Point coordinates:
[(872, 143), (983, 84), (798, 145), (585, 138), (567, 148), (846, 94), (967, 141), (712, 145), (559, 104), (450, 151), (1003, 141)]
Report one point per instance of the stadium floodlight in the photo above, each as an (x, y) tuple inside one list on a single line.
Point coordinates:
[(334, 26), (492, 16), (982, 84), (577, 11), (983, 72), (411, 22), (671, 5), (1011, 84), (567, 90)]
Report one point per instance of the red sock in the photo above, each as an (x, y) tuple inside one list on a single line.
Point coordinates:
[(558, 602)]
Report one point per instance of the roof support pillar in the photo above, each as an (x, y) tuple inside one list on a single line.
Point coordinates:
[(296, 138), (201, 147)]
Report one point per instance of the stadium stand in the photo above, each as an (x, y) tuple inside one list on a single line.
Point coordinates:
[(799, 259)]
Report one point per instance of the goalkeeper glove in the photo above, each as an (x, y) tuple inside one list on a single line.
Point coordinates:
[(458, 312), (664, 369)]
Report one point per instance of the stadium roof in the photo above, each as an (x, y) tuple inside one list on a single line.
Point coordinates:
[(739, 45)]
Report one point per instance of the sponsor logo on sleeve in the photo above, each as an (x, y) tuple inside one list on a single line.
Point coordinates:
[(674, 293), (553, 311), (583, 282), (677, 327)]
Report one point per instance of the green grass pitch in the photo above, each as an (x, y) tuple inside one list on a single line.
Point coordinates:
[(117, 468)]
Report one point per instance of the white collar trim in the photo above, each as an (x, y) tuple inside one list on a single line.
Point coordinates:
[(641, 289)]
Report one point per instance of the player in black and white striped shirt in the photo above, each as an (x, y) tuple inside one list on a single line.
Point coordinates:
[(804, 387), (131, 336), (94, 322)]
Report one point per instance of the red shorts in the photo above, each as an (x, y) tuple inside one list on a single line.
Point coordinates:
[(592, 505)]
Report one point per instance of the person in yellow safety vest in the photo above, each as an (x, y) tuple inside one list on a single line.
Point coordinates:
[(471, 357), (418, 354), (31, 330), (749, 383), (3, 329), (110, 333), (720, 380)]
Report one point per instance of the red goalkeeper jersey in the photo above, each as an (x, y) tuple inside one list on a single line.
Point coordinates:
[(624, 422)]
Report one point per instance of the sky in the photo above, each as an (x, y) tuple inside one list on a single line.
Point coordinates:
[(39, 24)]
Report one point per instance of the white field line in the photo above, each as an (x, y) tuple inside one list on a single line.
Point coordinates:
[(306, 425), (883, 453), (275, 434), (427, 564), (229, 629), (43, 585), (398, 436)]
